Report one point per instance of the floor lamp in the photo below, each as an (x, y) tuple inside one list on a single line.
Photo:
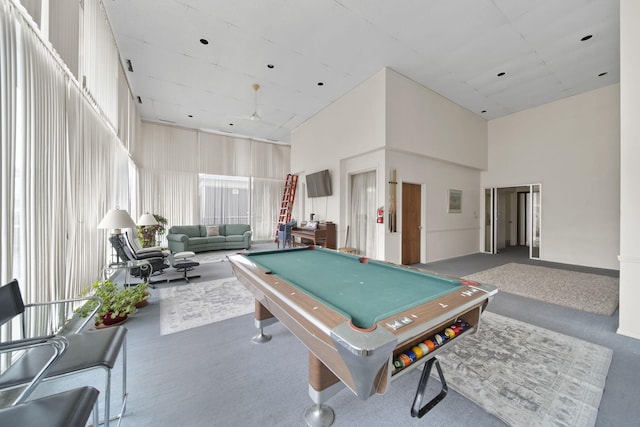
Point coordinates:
[(116, 219)]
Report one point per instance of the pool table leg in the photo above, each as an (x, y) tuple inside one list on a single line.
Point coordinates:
[(263, 318), (323, 384)]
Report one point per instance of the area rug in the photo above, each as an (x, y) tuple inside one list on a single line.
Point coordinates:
[(528, 376), (583, 291), (196, 304)]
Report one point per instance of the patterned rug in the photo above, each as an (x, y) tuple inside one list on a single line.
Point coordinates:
[(583, 291), (196, 304), (528, 376)]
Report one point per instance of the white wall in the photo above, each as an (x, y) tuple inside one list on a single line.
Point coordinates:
[(436, 143), (572, 148), (352, 125), (421, 121), (444, 235), (630, 172), (427, 139)]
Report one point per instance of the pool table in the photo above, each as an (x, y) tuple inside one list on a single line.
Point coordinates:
[(355, 315)]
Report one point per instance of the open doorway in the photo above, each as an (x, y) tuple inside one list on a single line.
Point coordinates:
[(512, 220)]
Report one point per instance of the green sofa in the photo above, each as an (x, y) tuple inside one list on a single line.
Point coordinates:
[(199, 238)]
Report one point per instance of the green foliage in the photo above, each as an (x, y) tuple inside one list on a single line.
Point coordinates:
[(115, 301), (147, 233)]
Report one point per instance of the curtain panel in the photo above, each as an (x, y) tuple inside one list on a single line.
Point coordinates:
[(362, 212), (63, 167)]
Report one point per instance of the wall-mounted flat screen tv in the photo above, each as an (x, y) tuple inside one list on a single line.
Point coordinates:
[(319, 184)]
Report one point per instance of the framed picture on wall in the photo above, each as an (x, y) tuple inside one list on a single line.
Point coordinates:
[(455, 201)]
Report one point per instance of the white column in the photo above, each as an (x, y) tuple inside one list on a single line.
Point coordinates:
[(629, 323)]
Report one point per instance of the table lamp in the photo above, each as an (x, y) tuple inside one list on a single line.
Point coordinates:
[(147, 219), (116, 219)]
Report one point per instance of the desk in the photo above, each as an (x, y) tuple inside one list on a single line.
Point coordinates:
[(356, 316)]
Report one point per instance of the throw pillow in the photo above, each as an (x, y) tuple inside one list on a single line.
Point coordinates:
[(212, 230)]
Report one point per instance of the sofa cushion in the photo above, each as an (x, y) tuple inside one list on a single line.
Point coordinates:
[(212, 230), (234, 238), (236, 229), (215, 239), (195, 241), (189, 230)]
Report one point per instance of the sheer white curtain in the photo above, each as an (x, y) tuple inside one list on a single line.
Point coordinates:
[(42, 165), (100, 60), (266, 196), (224, 199), (255, 170), (174, 195), (62, 168), (8, 140), (362, 213)]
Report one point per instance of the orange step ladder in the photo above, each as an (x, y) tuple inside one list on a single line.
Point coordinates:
[(288, 196)]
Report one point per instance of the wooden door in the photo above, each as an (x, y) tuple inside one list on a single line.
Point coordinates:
[(411, 227)]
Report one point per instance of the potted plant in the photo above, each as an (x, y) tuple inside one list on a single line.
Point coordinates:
[(117, 304), (147, 233)]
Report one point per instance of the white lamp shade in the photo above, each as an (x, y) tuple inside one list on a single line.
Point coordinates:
[(147, 219), (116, 219)]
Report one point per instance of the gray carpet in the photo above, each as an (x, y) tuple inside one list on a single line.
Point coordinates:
[(523, 374), (583, 291), (527, 375), (215, 376)]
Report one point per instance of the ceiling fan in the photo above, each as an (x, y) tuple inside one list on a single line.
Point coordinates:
[(255, 115)]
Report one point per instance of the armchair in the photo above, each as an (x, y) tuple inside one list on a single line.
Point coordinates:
[(136, 248), (156, 259), (77, 353)]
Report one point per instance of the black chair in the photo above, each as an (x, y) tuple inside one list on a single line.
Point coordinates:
[(156, 259), (137, 249), (68, 409), (85, 351), (284, 233)]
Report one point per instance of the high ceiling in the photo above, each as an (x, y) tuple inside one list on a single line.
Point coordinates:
[(305, 54)]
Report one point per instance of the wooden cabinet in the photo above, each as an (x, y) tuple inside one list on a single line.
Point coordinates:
[(324, 235)]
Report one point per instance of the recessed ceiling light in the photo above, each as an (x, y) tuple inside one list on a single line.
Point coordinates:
[(230, 124), (190, 115), (204, 41), (483, 111), (585, 38), (502, 73), (602, 74), (270, 66), (320, 84)]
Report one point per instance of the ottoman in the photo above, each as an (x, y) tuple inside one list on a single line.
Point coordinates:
[(183, 263)]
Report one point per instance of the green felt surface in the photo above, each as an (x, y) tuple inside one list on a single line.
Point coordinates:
[(365, 292)]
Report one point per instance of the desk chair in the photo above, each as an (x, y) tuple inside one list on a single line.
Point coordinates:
[(85, 351), (284, 233)]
